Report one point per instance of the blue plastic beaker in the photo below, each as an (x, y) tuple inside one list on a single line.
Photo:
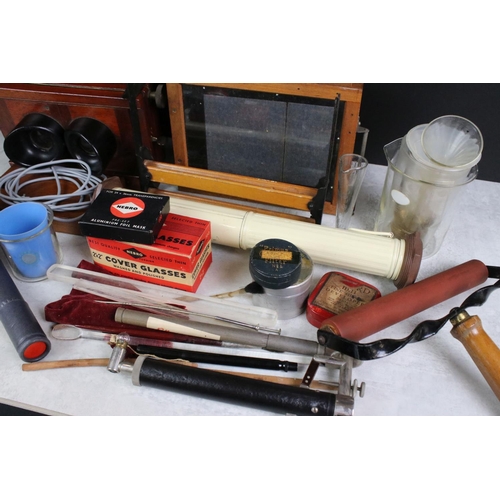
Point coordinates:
[(28, 240)]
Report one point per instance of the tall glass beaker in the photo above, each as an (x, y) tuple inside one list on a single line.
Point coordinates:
[(351, 172), (419, 193)]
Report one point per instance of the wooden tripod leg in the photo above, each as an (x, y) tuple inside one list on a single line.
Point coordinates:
[(483, 351)]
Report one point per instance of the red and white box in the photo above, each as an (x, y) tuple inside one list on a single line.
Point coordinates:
[(179, 257)]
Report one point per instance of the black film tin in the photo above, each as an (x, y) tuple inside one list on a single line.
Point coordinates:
[(275, 263)]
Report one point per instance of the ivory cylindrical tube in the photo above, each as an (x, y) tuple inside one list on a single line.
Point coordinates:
[(378, 255), (353, 250)]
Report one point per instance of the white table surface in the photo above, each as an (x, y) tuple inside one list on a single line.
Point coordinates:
[(433, 377)]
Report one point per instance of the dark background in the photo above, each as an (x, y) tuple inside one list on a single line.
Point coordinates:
[(390, 110), (12, 411)]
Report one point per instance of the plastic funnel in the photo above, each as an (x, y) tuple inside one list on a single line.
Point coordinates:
[(453, 141)]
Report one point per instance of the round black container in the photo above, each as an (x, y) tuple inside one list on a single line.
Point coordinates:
[(275, 263), (91, 141), (37, 138)]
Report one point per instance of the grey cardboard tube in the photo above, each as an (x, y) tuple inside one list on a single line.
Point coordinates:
[(19, 322)]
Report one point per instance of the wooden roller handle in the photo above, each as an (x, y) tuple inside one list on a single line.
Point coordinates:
[(483, 351), (66, 363)]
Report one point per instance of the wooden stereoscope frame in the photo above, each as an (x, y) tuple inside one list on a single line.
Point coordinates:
[(242, 187)]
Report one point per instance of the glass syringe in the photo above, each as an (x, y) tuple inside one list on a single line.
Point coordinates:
[(174, 303)]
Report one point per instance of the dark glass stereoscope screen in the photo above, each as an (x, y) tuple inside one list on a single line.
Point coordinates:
[(274, 137)]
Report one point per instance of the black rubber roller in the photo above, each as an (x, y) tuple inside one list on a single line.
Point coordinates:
[(278, 398)]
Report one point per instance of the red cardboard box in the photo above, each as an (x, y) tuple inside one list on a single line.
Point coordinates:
[(179, 257)]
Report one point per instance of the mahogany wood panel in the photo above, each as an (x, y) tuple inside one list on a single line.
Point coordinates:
[(103, 102), (349, 92)]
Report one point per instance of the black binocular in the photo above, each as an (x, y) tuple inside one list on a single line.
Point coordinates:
[(39, 138)]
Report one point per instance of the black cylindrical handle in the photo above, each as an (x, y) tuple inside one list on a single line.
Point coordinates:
[(19, 322), (218, 359), (159, 374)]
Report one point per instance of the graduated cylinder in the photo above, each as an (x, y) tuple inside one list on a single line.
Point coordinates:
[(393, 258)]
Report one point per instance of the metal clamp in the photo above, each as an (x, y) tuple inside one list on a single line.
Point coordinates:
[(345, 365)]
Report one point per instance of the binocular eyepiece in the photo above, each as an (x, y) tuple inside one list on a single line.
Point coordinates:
[(39, 138)]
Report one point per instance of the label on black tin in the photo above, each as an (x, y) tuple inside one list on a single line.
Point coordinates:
[(279, 255)]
